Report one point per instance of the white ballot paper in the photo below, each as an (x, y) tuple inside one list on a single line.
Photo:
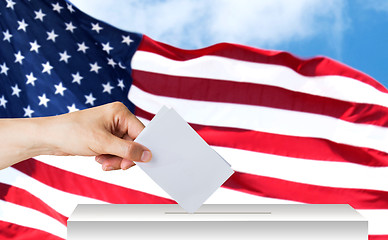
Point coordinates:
[(182, 164)]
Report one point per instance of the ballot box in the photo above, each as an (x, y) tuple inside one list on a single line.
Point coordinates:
[(225, 221)]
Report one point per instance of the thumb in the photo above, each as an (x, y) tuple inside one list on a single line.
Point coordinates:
[(127, 149)]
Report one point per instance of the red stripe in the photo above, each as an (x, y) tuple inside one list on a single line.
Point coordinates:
[(16, 232), (306, 193), (258, 95), (282, 145), (84, 186), (317, 66), (22, 197), (378, 237)]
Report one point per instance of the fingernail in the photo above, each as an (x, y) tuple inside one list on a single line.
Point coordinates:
[(146, 156), (108, 168), (98, 160), (129, 166)]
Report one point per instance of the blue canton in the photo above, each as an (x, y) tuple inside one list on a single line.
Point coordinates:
[(54, 59)]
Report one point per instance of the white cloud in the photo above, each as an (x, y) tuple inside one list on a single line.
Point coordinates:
[(377, 5), (193, 24)]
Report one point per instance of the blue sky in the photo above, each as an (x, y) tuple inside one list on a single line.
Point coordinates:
[(354, 32)]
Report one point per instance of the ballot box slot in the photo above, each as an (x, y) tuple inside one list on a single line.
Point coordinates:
[(220, 213)]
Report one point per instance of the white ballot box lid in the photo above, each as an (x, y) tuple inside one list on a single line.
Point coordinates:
[(215, 212), (217, 221)]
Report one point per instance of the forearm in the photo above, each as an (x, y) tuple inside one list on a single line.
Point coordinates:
[(105, 131), (23, 139)]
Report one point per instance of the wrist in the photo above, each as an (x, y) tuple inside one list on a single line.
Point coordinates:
[(24, 138), (50, 131), (37, 134)]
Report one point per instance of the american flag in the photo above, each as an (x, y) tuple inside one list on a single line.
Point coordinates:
[(294, 130)]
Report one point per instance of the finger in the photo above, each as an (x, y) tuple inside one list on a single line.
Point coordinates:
[(134, 125), (109, 162), (125, 164), (128, 138), (98, 159), (129, 150), (103, 157)]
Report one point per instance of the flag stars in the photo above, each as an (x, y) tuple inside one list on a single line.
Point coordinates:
[(70, 8), (3, 101), (121, 84), (43, 100), (59, 89), (28, 111), (107, 88), (111, 62), (22, 25), (51, 35), (39, 15), (57, 7), (94, 67), (4, 69), (31, 79), (72, 108), (106, 47), (77, 78), (90, 99), (127, 40), (64, 57), (34, 46), (47, 68), (7, 36), (16, 90), (10, 4), (19, 57), (70, 27), (96, 27), (82, 47)]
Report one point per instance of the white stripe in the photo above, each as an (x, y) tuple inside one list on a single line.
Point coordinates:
[(62, 202), (136, 179), (321, 173), (28, 217), (377, 221), (133, 178), (266, 119), (295, 170), (221, 68)]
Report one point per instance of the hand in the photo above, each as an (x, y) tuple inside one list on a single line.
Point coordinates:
[(106, 132)]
